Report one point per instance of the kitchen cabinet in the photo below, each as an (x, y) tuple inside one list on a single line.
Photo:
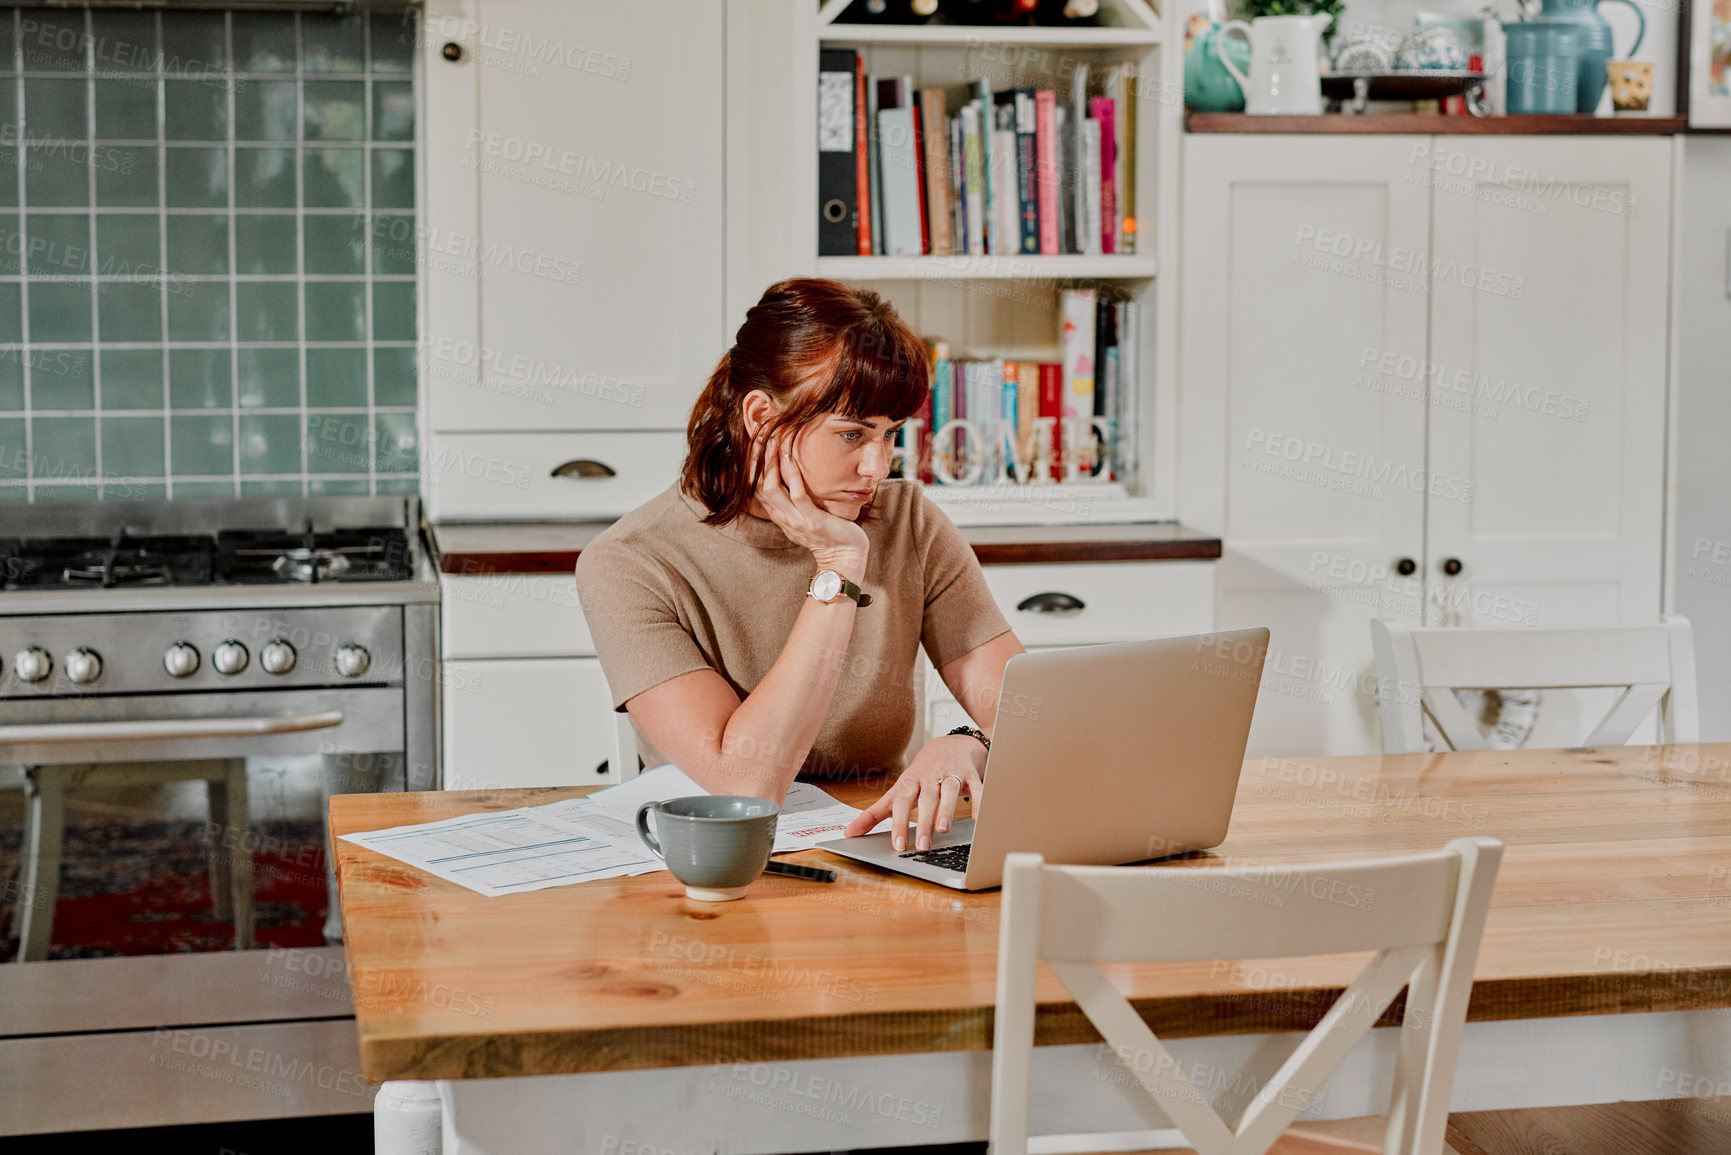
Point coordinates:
[(1431, 373), (1058, 605), (525, 701), (570, 248)]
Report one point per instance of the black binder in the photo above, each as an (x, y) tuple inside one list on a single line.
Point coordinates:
[(837, 162)]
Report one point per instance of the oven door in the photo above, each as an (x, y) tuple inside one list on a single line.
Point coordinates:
[(185, 837)]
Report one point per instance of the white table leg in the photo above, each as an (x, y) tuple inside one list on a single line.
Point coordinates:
[(406, 1119)]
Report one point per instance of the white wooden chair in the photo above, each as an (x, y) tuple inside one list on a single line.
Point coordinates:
[(45, 790), (1418, 671), (1425, 924)]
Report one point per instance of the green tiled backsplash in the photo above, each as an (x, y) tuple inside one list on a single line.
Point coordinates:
[(202, 288)]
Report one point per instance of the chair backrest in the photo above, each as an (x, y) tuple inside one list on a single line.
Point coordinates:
[(1423, 914), (624, 756), (1418, 670)]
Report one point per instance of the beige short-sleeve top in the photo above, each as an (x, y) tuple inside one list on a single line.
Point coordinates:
[(664, 594)]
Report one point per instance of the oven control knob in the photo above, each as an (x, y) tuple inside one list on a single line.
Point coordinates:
[(180, 659), (229, 658), (352, 660), (277, 657), (32, 665), (83, 665)]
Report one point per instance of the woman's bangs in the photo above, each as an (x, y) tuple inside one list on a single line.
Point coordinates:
[(884, 375)]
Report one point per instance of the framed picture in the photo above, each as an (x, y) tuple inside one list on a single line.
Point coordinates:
[(1710, 64)]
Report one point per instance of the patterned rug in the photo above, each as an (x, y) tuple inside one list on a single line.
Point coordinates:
[(135, 888)]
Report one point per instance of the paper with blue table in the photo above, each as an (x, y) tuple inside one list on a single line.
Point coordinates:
[(499, 852)]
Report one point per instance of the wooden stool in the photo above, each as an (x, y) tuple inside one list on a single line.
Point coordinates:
[(45, 790)]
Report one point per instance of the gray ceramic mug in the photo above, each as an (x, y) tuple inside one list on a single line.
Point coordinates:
[(716, 844)]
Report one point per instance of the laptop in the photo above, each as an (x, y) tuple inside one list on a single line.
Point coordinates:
[(1101, 755)]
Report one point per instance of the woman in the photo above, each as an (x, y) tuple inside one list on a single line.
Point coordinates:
[(761, 618)]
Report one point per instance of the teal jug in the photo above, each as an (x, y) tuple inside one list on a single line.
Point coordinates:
[(1593, 40), (1208, 87)]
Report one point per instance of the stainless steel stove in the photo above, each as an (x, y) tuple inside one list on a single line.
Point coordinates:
[(152, 646)]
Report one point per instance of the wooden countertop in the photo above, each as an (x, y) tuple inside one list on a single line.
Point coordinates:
[(479, 549), (1613, 896), (1402, 123)]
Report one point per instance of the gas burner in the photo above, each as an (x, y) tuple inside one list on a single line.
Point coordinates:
[(308, 565), (108, 575), (314, 555), (122, 560)]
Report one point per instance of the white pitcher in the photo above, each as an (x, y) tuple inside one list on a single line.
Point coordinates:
[(1284, 78)]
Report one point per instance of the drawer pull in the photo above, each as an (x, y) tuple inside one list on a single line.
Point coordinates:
[(584, 467), (1056, 604)]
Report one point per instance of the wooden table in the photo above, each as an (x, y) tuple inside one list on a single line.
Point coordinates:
[(619, 1016)]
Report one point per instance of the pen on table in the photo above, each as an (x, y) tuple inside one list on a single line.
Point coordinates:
[(793, 870)]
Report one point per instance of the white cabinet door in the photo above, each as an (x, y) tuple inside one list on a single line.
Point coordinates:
[(526, 722), (1118, 602), (1299, 277), (573, 229), (1548, 351)]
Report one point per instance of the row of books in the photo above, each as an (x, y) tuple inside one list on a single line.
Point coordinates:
[(991, 420), (1019, 171)]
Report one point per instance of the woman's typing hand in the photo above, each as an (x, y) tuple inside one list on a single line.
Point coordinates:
[(942, 772)]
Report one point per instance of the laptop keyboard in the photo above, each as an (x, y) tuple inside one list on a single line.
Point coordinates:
[(945, 857)]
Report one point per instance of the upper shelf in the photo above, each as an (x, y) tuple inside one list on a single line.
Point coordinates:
[(967, 34), (960, 267), (1121, 23), (1404, 123)]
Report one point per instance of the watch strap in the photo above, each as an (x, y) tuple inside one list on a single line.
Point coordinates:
[(860, 597)]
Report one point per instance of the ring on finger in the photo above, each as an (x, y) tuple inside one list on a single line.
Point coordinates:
[(959, 780)]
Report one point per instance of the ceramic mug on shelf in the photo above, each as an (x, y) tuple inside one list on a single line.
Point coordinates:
[(1631, 84), (716, 844)]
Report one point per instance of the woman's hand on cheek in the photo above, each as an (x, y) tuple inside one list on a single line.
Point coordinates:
[(942, 772), (834, 541)]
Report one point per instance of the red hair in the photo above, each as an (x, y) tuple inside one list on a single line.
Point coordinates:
[(816, 347)]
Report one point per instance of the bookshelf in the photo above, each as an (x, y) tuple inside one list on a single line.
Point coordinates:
[(1007, 305)]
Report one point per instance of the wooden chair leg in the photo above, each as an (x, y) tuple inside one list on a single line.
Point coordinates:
[(224, 847), (232, 815), (44, 826)]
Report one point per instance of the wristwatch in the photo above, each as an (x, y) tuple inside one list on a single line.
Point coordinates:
[(827, 585)]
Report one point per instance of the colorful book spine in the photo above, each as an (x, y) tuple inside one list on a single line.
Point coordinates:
[(862, 167), (1101, 107), (975, 168), (1006, 211), (1023, 123), (935, 125), (874, 166), (1046, 168), (1127, 161), (1027, 408), (942, 395), (1009, 402), (1052, 408), (1090, 181), (1076, 344), (900, 182)]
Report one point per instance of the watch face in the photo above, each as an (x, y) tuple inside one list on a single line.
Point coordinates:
[(826, 585)]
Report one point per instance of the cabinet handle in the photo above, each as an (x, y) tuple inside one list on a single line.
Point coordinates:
[(1056, 604), (1451, 566), (452, 51), (1406, 567), (584, 467)]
